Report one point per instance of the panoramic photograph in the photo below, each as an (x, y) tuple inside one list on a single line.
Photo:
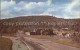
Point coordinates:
[(39, 24)]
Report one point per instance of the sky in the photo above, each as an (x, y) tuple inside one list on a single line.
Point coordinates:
[(58, 8)]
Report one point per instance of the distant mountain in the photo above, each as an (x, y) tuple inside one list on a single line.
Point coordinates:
[(11, 25)]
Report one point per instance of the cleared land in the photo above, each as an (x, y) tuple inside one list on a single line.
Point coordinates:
[(5, 44)]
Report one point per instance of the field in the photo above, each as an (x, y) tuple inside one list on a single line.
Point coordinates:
[(57, 40), (9, 34), (5, 44)]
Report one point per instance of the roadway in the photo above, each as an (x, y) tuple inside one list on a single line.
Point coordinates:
[(32, 45)]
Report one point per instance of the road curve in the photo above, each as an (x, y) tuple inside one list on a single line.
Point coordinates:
[(33, 46)]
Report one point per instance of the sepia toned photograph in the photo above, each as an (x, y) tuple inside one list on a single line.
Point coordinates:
[(39, 24)]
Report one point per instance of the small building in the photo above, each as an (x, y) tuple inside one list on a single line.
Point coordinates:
[(27, 33)]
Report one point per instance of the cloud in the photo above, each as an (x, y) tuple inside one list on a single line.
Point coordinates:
[(26, 1), (17, 1), (61, 2), (73, 9), (70, 10), (59, 8), (72, 5), (22, 8)]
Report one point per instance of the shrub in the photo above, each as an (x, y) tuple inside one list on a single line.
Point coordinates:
[(76, 37)]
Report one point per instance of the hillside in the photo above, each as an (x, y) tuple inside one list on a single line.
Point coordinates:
[(11, 25)]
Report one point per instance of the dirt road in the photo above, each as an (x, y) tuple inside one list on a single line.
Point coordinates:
[(32, 45), (47, 45)]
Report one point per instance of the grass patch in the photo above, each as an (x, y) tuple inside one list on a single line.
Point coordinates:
[(5, 44), (9, 34), (42, 37)]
